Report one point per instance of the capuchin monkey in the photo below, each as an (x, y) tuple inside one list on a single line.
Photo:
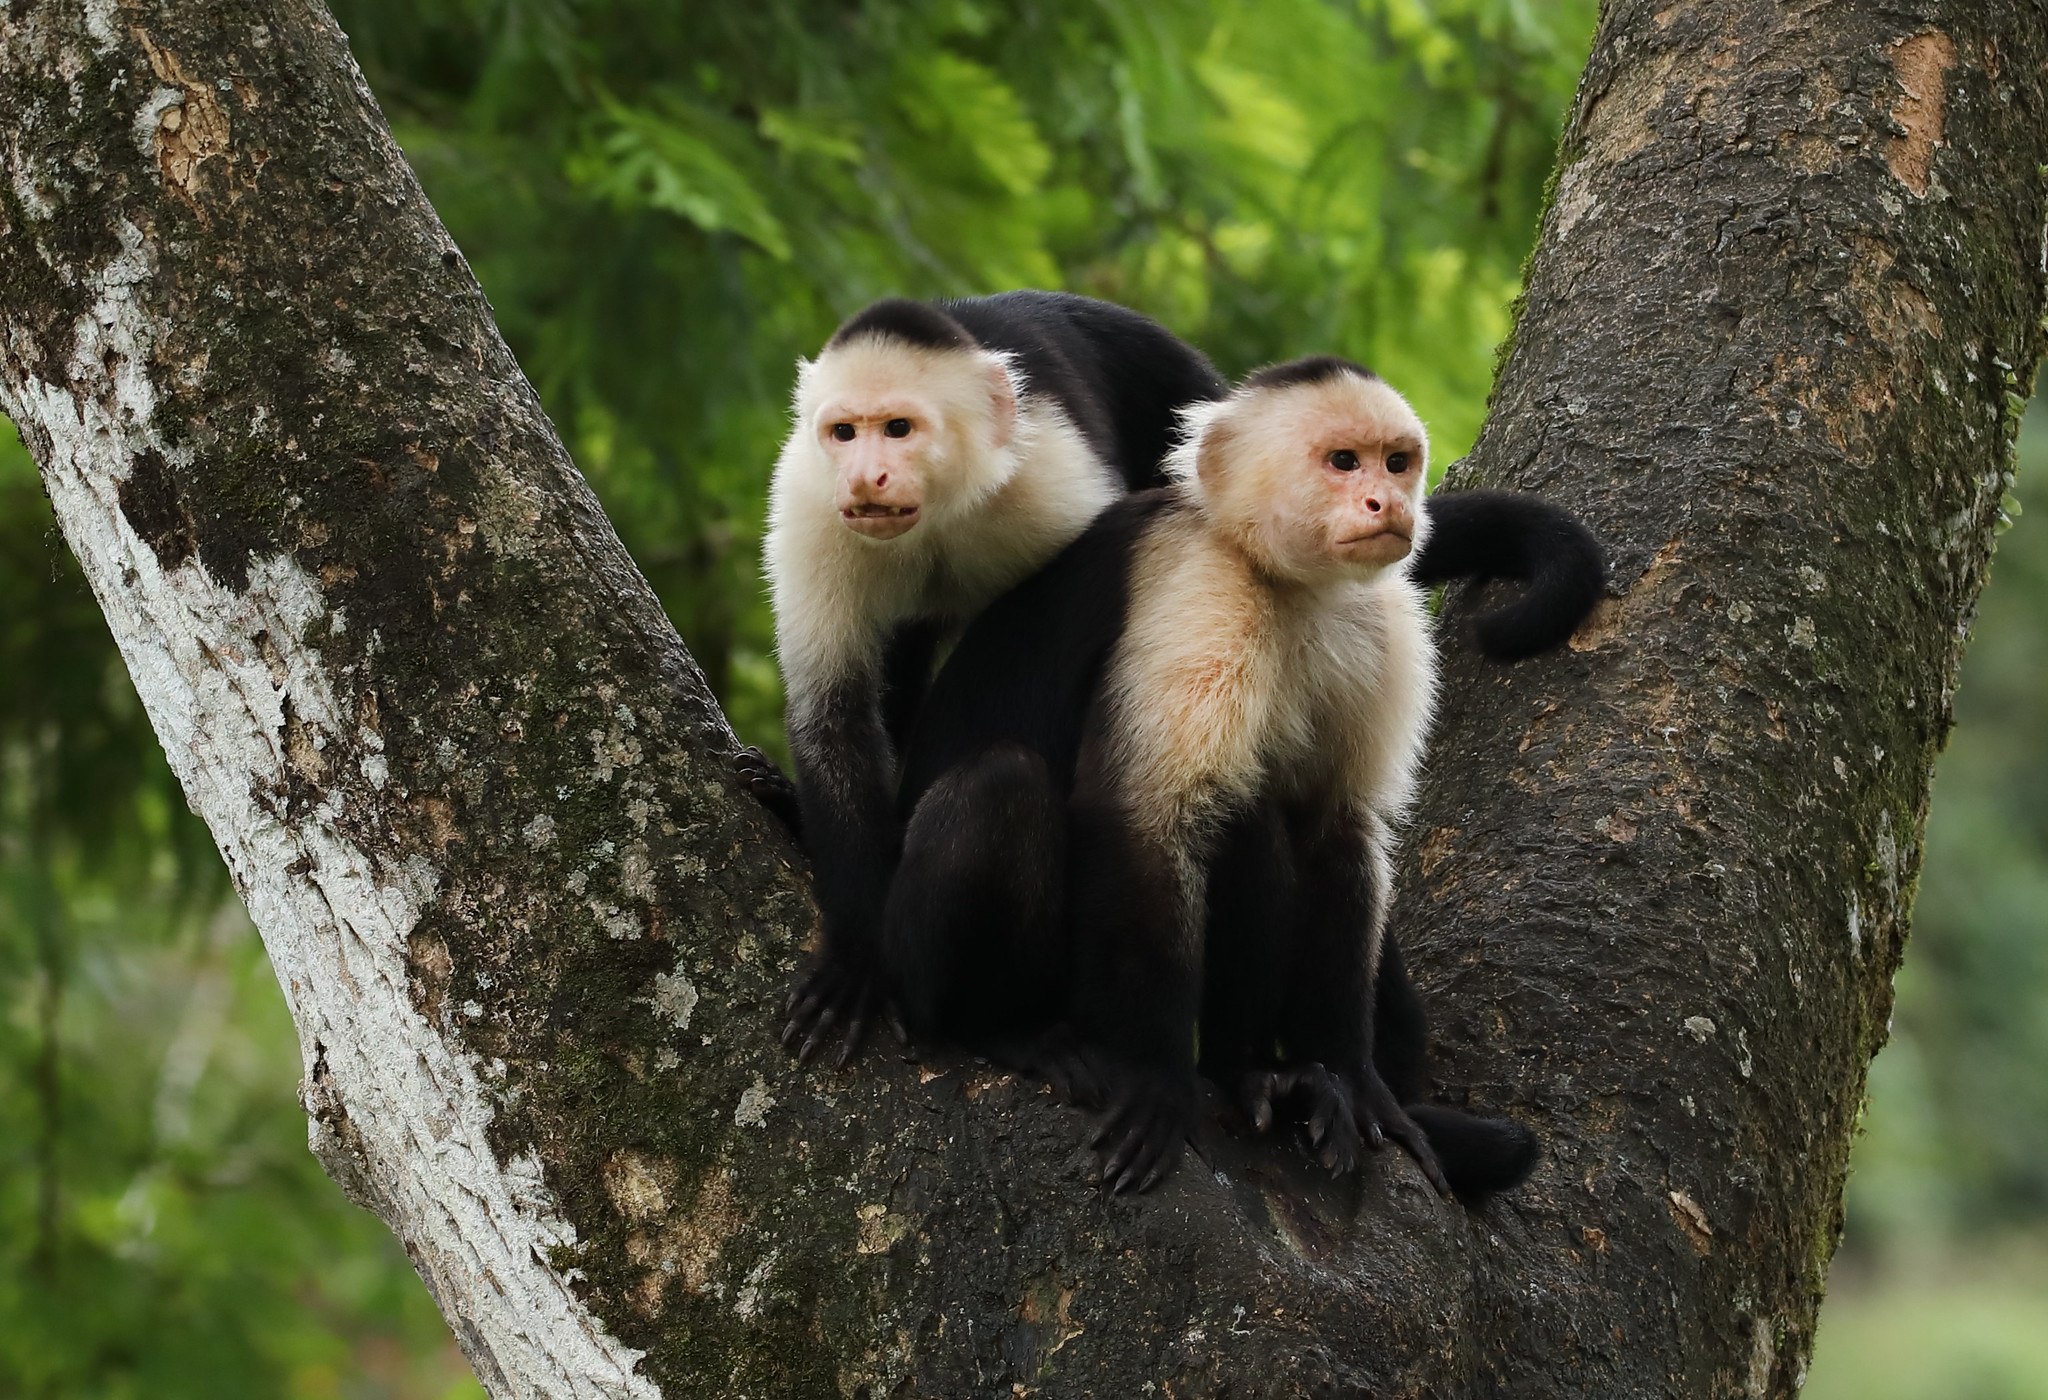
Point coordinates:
[(939, 454), (1155, 788)]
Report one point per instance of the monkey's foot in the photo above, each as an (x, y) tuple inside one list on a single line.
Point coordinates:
[(1311, 1096), (1381, 1117), (1057, 1056), (770, 786), (833, 993), (1140, 1139)]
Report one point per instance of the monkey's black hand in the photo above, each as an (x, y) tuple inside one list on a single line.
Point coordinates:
[(1149, 1121), (1381, 1117), (770, 786), (833, 992), (1310, 1096), (1058, 1057)]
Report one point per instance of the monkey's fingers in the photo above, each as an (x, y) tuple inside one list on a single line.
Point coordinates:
[(1342, 1145), (1149, 1129), (770, 787), (807, 1001), (1255, 1094), (856, 1031), (1157, 1157), (1166, 1136), (800, 1014), (1405, 1132), (821, 1029), (1118, 1167)]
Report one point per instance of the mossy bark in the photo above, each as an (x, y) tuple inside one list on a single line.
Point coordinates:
[(1786, 305)]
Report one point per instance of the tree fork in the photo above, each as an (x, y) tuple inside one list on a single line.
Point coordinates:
[(475, 793)]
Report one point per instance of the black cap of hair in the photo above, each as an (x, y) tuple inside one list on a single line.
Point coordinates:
[(1313, 369), (907, 322)]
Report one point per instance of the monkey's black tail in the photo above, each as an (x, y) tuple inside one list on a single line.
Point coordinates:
[(1479, 1155), (1507, 534)]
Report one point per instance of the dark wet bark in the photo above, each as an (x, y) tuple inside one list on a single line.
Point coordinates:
[(1778, 333)]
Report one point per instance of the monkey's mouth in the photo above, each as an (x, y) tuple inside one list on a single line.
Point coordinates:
[(1375, 548), (878, 521)]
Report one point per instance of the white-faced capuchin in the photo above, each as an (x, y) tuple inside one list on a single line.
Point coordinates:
[(939, 454), (1153, 790)]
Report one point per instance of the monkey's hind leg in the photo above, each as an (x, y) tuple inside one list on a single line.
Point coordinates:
[(973, 944)]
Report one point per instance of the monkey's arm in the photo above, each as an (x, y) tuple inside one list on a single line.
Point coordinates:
[(1485, 535), (906, 672), (1136, 905), (1331, 1000), (846, 797)]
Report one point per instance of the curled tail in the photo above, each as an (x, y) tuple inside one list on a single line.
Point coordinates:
[(1506, 534), (1479, 1155)]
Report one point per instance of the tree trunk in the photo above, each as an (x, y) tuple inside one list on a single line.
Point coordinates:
[(1777, 337)]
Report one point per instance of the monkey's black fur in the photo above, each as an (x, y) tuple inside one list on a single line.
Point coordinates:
[(905, 322), (1289, 1009), (974, 934), (1120, 379), (1484, 535), (1314, 369)]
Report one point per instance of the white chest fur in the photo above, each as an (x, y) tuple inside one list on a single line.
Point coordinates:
[(1226, 684), (838, 595)]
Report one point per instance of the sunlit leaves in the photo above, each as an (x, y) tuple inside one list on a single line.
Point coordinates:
[(962, 104), (666, 157)]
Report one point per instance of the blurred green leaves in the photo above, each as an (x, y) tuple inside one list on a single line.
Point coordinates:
[(668, 158)]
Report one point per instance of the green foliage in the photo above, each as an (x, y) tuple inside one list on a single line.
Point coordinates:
[(1941, 1328)]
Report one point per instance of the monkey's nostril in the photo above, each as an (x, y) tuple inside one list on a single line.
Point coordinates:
[(1372, 504), (881, 481)]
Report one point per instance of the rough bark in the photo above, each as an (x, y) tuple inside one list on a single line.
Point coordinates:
[(473, 790)]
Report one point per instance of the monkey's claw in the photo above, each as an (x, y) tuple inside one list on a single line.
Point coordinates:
[(1141, 1138), (1384, 1118), (1057, 1057), (1312, 1097), (770, 787), (830, 994)]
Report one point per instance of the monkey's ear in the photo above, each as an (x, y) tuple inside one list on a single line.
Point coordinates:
[(1002, 403), (1211, 443)]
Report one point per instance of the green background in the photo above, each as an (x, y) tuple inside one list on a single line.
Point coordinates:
[(667, 205)]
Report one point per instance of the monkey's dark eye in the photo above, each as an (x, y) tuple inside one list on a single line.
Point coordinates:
[(1397, 462), (843, 431), (1344, 460), (897, 427)]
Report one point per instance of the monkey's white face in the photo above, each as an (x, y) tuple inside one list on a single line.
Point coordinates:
[(903, 432), (1320, 480)]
